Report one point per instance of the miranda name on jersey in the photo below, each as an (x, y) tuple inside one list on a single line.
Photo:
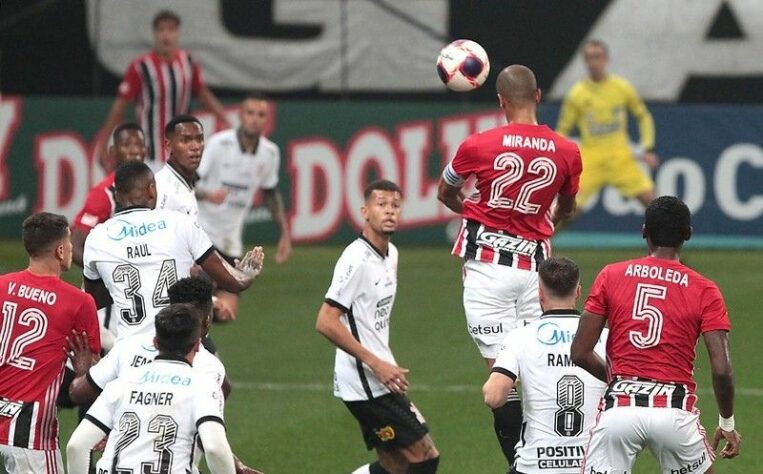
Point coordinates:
[(536, 143)]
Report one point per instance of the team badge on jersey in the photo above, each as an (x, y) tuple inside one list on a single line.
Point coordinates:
[(386, 434)]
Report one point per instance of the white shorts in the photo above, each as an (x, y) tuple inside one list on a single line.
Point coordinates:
[(674, 436), (31, 461), (497, 298)]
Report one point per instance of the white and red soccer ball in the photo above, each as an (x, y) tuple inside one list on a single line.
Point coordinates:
[(463, 65)]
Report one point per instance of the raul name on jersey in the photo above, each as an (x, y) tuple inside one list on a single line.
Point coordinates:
[(138, 251)]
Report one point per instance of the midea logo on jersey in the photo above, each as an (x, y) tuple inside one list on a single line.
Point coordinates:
[(153, 377), (119, 229), (550, 334)]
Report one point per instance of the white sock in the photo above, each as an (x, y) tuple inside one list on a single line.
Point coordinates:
[(363, 470)]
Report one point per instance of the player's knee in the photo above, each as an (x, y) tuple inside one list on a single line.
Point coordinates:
[(425, 467)]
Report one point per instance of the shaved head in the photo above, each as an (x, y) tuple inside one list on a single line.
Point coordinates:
[(517, 84)]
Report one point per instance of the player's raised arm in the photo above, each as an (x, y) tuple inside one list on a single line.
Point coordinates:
[(451, 196), (569, 115), (234, 279), (723, 386), (80, 444), (582, 353)]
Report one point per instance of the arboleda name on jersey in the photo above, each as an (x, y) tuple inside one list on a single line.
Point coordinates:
[(559, 457), (657, 273), (507, 243), (536, 143)]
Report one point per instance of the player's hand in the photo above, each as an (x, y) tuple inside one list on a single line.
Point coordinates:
[(284, 249), (217, 196), (651, 159), (392, 376), (78, 351), (242, 468), (733, 442), (222, 311), (252, 262)]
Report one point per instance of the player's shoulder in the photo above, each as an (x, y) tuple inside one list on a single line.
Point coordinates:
[(620, 82), (269, 146), (223, 138), (357, 253), (564, 145), (577, 89)]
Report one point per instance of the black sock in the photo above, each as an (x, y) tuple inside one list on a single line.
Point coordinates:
[(507, 421), (427, 467), (376, 468)]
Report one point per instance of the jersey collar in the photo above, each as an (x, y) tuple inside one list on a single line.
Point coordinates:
[(241, 143), (373, 247), (179, 175), (129, 209), (569, 313), (172, 357)]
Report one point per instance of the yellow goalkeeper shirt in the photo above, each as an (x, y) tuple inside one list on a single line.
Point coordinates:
[(599, 111)]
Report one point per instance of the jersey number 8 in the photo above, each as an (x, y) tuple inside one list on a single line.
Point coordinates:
[(568, 420)]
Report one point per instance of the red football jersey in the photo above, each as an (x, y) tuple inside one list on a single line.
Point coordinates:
[(163, 90), (656, 310), (38, 312), (99, 205), (519, 170)]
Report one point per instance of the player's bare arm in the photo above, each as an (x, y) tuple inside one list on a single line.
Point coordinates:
[(451, 196), (116, 112), (216, 196), (210, 102), (565, 209), (274, 203), (331, 327), (582, 353), (238, 278), (717, 344), (97, 289), (78, 245), (81, 390), (497, 389)]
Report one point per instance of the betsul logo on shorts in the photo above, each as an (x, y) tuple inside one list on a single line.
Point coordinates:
[(691, 467), (486, 330), (119, 229), (550, 334)]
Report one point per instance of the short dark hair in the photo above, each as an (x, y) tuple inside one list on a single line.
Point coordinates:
[(178, 327), (165, 15), (40, 231), (255, 95), (194, 290), (380, 185), (125, 126), (560, 276), (169, 129), (668, 221), (599, 43), (129, 175)]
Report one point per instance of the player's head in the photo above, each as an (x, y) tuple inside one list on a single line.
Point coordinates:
[(198, 292), (517, 88), (134, 185), (596, 58), (166, 28), (128, 143), (667, 223), (559, 283), (381, 209), (254, 114), (178, 330), (47, 237), (184, 139)]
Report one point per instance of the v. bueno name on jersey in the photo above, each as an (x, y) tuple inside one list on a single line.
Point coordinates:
[(536, 143)]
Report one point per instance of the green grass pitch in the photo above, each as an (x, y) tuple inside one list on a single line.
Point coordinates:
[(283, 418)]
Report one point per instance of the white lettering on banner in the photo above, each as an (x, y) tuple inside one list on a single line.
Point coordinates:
[(369, 148), (630, 27), (62, 163), (693, 178), (726, 191), (10, 119), (420, 192)]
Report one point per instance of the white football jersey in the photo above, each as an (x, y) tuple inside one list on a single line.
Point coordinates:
[(363, 287), (152, 414), (225, 165), (139, 350), (560, 400), (139, 253), (174, 192)]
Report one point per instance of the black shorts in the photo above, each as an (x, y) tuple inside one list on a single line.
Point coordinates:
[(390, 421)]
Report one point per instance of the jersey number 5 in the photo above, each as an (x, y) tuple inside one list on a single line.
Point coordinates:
[(643, 310), (30, 317), (512, 163)]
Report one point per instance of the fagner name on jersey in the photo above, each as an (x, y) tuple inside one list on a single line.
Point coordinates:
[(34, 294), (150, 398), (536, 143), (657, 273)]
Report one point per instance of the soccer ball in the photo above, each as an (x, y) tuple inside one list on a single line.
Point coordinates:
[(463, 65)]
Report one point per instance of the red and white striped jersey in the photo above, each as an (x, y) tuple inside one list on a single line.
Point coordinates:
[(519, 169), (162, 90), (38, 312)]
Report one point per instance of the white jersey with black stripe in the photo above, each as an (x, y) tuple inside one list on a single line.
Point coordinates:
[(560, 400), (174, 192), (363, 287), (152, 414)]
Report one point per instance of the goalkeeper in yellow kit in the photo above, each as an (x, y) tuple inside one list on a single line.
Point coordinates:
[(598, 106)]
